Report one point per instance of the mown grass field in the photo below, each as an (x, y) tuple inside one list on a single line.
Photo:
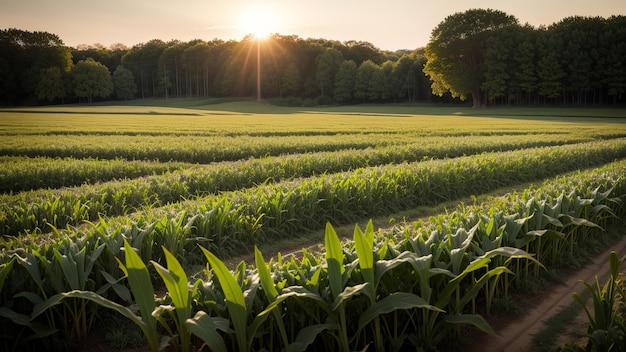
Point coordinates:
[(196, 182)]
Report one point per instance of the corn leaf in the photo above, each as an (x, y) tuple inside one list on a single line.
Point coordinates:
[(364, 243), (25, 320), (203, 326), (234, 297), (175, 280), (334, 260), (141, 287), (470, 319), (5, 269), (69, 267), (307, 335), (350, 291), (265, 276), (393, 302)]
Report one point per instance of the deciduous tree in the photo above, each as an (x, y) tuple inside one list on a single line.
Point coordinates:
[(91, 79), (51, 85), (124, 83), (344, 82), (456, 50), (327, 66)]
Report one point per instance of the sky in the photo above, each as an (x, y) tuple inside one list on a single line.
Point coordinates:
[(388, 24)]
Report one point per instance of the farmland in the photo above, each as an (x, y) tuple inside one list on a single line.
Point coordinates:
[(102, 206)]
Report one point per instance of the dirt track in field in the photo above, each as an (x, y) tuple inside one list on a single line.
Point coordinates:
[(518, 334)]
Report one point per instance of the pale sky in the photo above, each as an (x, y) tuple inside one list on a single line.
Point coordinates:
[(388, 24)]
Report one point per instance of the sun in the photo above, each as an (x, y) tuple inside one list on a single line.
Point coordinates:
[(260, 22)]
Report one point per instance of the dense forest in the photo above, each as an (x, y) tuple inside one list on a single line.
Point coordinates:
[(483, 55)]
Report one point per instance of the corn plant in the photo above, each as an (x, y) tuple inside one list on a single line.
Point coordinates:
[(238, 311), (607, 326)]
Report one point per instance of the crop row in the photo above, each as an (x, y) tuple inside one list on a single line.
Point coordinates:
[(22, 173), (232, 221), (204, 150), (413, 289)]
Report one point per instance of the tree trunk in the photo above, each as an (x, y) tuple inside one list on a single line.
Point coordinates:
[(476, 101)]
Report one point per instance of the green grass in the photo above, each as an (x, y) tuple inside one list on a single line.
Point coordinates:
[(251, 117)]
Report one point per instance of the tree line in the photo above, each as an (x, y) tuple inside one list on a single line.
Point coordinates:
[(485, 55)]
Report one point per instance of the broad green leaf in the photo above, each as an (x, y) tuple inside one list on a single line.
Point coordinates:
[(263, 315), (307, 335), (177, 285), (121, 290), (470, 319), (551, 220), (265, 276), (203, 326), (69, 267), (512, 253), (350, 291), (546, 233), (234, 297), (30, 263), (383, 266), (25, 320), (30, 296), (301, 292), (364, 243), (477, 286), (334, 260), (393, 302), (149, 331), (140, 284), (581, 222), (91, 261)]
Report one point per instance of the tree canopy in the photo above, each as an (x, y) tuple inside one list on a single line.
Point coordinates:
[(91, 79), (456, 51), (480, 54)]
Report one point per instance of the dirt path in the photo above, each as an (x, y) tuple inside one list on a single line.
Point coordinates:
[(519, 333)]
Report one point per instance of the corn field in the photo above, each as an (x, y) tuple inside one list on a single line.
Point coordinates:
[(136, 215)]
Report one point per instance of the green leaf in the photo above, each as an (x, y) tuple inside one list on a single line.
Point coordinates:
[(149, 330), (140, 284), (265, 276), (5, 269), (350, 291), (546, 233), (581, 222), (393, 302), (301, 292), (470, 319), (364, 243), (121, 290), (307, 335), (177, 285), (334, 260), (203, 326), (69, 267), (550, 220), (25, 320), (234, 297)]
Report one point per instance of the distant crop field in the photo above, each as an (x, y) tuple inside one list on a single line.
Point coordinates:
[(82, 185)]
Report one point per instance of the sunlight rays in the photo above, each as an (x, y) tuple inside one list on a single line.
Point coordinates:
[(260, 22)]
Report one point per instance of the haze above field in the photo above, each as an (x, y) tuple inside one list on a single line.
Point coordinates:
[(392, 25)]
